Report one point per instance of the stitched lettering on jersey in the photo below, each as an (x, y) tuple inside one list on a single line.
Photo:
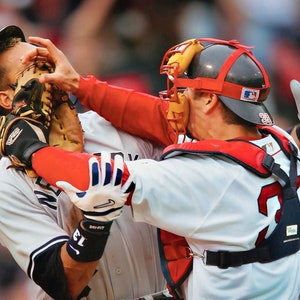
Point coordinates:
[(46, 199), (45, 185), (268, 191), (126, 156), (47, 194)]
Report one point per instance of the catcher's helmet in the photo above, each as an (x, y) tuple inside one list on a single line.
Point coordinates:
[(228, 70), (11, 31)]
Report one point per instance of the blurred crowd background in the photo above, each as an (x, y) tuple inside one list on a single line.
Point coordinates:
[(123, 42)]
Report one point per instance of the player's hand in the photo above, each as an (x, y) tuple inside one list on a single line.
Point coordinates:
[(64, 76), (104, 199)]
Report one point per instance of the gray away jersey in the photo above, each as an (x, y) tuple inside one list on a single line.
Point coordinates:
[(35, 215)]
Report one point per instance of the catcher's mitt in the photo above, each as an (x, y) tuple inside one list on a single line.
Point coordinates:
[(65, 128), (44, 105)]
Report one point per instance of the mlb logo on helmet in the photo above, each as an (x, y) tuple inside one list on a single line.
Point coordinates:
[(249, 94)]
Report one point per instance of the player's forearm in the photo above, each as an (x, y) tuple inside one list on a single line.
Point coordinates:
[(77, 274), (87, 243), (81, 254), (137, 113)]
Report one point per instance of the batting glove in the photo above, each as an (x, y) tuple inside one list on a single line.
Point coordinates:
[(104, 199)]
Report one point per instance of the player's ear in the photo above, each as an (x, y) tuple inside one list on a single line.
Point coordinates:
[(5, 100), (211, 102)]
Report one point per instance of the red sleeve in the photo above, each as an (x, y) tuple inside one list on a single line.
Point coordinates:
[(56, 164), (137, 113)]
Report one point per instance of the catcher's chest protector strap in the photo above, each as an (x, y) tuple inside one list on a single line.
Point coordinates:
[(284, 240)]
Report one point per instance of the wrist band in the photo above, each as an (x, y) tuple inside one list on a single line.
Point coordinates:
[(88, 240)]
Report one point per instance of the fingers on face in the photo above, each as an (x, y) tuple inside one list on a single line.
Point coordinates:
[(41, 54), (38, 54)]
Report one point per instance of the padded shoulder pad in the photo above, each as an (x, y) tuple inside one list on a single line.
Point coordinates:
[(244, 153)]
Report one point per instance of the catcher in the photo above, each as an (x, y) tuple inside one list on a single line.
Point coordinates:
[(53, 242)]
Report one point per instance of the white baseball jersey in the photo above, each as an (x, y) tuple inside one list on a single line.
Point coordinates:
[(34, 216), (215, 204)]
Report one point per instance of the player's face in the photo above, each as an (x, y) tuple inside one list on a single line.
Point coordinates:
[(10, 60), (196, 113)]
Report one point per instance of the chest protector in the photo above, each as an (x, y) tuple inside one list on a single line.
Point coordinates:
[(176, 256)]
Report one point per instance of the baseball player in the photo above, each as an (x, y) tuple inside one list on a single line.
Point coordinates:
[(38, 220), (231, 193)]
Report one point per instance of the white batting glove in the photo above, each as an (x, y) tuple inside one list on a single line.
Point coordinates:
[(104, 199)]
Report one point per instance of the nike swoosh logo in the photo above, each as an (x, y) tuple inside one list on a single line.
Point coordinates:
[(76, 251), (110, 202)]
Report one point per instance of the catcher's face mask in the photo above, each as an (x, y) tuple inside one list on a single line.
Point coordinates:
[(224, 68)]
